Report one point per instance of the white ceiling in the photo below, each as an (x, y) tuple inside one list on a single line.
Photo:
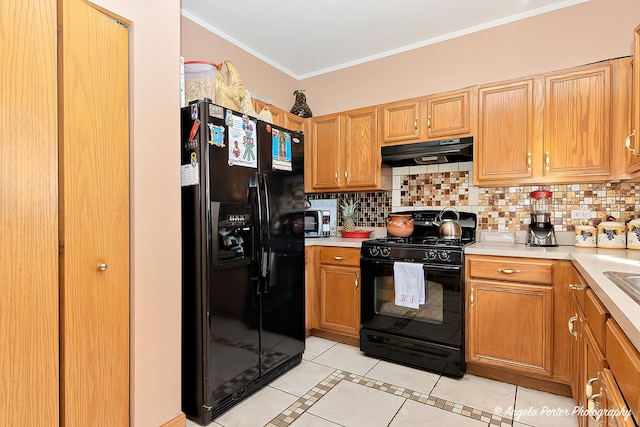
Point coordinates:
[(311, 37)]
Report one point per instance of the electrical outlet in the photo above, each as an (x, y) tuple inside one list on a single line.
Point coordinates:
[(580, 214)]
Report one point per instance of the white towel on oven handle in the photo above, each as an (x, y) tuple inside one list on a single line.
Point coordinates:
[(408, 279)]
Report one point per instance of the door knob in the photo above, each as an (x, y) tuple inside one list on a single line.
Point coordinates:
[(102, 266)]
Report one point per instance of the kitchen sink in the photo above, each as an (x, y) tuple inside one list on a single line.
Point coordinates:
[(627, 282)]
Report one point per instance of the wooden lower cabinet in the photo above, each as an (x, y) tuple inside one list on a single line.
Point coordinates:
[(333, 293), (511, 325), (516, 320), (340, 299)]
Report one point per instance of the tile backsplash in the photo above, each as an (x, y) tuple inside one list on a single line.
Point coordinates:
[(498, 208)]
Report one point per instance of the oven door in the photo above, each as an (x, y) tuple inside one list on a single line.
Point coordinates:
[(439, 319)]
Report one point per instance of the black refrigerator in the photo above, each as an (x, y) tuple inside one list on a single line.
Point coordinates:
[(242, 256)]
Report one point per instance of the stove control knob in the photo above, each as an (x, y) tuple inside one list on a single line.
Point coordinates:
[(444, 256), (385, 252), (373, 251), (430, 254)]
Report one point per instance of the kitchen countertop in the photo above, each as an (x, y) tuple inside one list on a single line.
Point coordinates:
[(591, 263), (344, 242)]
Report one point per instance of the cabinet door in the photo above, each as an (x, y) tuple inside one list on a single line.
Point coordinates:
[(577, 123), (292, 122), (448, 115), (594, 364), (576, 329), (340, 299), (634, 161), (326, 153), (401, 121), (511, 325), (29, 374), (612, 403), (505, 141), (361, 150), (94, 212)]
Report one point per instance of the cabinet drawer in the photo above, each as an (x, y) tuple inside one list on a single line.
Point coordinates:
[(596, 315), (624, 362), (340, 256), (511, 270)]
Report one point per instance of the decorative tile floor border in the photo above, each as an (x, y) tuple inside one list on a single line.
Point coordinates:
[(300, 406)]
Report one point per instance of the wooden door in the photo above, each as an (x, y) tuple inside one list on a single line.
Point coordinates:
[(28, 214), (401, 121), (361, 149), (577, 124), (511, 325), (94, 212), (340, 299), (505, 141), (326, 153), (448, 115)]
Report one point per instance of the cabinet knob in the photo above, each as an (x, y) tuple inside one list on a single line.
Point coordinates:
[(570, 325), (471, 297), (508, 271), (415, 124), (575, 287), (588, 387), (357, 280), (102, 266), (339, 258), (627, 142), (547, 160), (529, 160), (429, 122)]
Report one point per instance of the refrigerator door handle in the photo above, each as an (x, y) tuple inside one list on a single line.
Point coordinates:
[(267, 225), (255, 198)]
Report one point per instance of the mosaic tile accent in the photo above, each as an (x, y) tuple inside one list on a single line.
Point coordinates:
[(373, 207), (498, 208), (289, 415)]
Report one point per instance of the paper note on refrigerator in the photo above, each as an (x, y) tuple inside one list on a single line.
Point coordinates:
[(281, 150), (243, 142)]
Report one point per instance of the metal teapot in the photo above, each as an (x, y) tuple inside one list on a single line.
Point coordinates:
[(449, 228)]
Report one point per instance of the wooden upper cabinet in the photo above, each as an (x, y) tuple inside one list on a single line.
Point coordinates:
[(345, 152), (400, 121), (361, 149), (577, 131), (448, 115), (440, 116), (552, 128), (325, 153), (632, 141), (280, 117), (293, 122), (504, 144)]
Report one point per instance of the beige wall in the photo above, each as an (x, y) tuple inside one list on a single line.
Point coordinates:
[(589, 32), (155, 208)]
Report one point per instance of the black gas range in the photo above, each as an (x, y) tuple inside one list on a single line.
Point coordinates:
[(431, 335)]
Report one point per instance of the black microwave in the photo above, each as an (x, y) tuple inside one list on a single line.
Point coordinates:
[(317, 223)]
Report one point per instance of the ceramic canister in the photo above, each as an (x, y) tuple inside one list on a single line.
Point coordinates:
[(612, 234), (633, 234), (585, 236)]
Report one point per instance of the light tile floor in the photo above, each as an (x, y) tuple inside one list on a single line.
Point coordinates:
[(337, 385)]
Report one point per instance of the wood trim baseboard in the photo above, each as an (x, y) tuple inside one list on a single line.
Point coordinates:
[(179, 421), (518, 379)]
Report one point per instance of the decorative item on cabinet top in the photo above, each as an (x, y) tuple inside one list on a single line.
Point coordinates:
[(300, 107)]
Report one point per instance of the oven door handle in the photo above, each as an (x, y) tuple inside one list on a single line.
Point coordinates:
[(429, 266)]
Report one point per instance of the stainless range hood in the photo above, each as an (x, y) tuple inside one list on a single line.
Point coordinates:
[(429, 153)]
